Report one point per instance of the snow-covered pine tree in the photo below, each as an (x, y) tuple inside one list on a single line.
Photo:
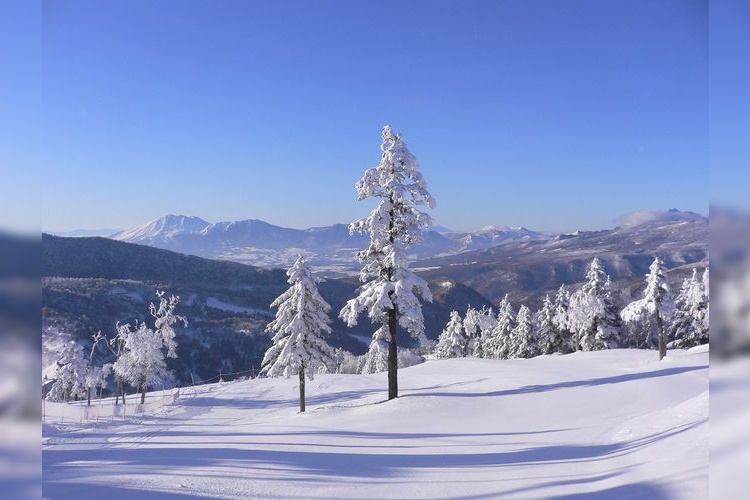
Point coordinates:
[(141, 362), (658, 300), (562, 320), (593, 314), (523, 342), (69, 375), (301, 320), (375, 360), (549, 338), (390, 293), (690, 321), (473, 333), (452, 342), (497, 344)]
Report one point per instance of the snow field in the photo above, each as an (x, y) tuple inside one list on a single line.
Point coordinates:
[(605, 424)]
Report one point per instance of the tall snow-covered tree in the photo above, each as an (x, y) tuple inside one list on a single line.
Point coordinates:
[(548, 335), (523, 343), (142, 362), (301, 320), (645, 317), (452, 342), (498, 343), (69, 376), (593, 314), (391, 292), (658, 300), (690, 321)]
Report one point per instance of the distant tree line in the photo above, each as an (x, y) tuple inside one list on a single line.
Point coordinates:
[(586, 320)]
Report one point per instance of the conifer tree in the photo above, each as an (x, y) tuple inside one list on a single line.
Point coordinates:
[(593, 314), (523, 341), (301, 320), (391, 292), (452, 342), (549, 338), (498, 343), (690, 322), (562, 319), (658, 300)]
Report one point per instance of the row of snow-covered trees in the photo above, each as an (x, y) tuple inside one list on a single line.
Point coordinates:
[(139, 354), (587, 319)]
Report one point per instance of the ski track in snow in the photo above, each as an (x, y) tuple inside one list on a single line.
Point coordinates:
[(609, 424)]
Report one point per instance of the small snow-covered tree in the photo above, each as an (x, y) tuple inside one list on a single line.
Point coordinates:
[(301, 320), (593, 314), (562, 319), (390, 293), (690, 321), (473, 333), (497, 345), (452, 342), (549, 338), (69, 376), (523, 342), (375, 360), (141, 361)]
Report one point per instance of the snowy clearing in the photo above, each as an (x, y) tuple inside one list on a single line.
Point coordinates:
[(607, 424)]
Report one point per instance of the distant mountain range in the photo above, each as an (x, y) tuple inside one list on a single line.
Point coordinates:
[(259, 243), (528, 269)]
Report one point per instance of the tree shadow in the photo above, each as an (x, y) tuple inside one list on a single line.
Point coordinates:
[(615, 379), (159, 460)]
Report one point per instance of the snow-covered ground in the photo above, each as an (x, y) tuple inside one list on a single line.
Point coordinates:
[(609, 424)]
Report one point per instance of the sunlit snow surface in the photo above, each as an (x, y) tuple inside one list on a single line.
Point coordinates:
[(610, 424)]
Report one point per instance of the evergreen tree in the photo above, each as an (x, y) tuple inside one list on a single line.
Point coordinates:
[(473, 333), (523, 340), (690, 322), (549, 338), (375, 360), (498, 343), (452, 342), (301, 319), (658, 300), (390, 293), (592, 314), (562, 320)]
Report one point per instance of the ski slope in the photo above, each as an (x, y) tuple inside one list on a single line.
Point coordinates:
[(608, 424)]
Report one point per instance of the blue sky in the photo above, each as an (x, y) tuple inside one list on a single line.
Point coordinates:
[(554, 115)]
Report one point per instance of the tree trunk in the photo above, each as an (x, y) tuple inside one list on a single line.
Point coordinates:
[(392, 355), (662, 340), (143, 393), (88, 396), (118, 391), (302, 388)]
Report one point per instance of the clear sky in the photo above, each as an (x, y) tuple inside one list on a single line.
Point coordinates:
[(553, 115)]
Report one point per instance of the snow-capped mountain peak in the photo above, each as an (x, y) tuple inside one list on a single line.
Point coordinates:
[(163, 228)]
